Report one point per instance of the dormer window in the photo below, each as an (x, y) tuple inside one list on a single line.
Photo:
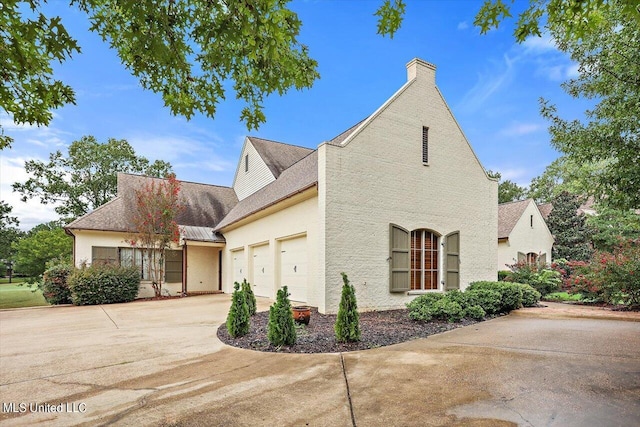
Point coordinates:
[(246, 163), (425, 145)]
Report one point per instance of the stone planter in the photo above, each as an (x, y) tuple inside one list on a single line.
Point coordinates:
[(301, 314)]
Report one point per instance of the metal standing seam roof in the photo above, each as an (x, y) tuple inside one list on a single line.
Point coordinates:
[(508, 215), (200, 234)]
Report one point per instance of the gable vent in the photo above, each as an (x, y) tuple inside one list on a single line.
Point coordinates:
[(425, 144)]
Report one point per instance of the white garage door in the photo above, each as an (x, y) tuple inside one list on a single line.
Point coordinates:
[(239, 270), (261, 271), (293, 267)]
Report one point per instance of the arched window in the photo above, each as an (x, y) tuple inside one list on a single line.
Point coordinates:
[(424, 260), (532, 258)]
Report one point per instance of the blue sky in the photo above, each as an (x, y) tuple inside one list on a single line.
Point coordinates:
[(491, 84)]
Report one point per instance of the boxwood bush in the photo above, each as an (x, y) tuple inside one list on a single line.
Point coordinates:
[(510, 293), (54, 284), (530, 296), (104, 284)]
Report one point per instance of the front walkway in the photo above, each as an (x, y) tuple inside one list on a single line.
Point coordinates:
[(160, 363)]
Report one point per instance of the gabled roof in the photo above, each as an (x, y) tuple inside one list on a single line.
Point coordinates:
[(205, 205), (508, 215), (344, 135), (297, 178), (278, 156), (545, 209)]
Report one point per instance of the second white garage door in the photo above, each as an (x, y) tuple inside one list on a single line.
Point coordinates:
[(293, 267), (261, 271), (239, 271)]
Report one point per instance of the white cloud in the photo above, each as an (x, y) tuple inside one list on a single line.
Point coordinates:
[(573, 71), (519, 129), (538, 45), (31, 212), (489, 83), (463, 25)]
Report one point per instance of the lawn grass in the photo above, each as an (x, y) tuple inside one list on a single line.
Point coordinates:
[(562, 296), (13, 295)]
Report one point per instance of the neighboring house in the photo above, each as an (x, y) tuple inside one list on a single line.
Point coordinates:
[(399, 202), (523, 235)]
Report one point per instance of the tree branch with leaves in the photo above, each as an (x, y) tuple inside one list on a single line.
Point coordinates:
[(157, 206)]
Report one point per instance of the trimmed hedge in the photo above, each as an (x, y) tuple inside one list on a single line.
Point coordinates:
[(104, 284), (54, 284), (477, 301)]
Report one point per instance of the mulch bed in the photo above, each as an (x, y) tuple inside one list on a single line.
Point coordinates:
[(379, 328)]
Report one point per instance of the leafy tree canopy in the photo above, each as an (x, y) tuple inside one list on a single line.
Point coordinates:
[(578, 18), (565, 174), (609, 71), (611, 226), (9, 232), (186, 50), (34, 251), (87, 177), (508, 191)]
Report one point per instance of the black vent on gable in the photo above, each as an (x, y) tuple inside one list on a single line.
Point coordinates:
[(425, 144)]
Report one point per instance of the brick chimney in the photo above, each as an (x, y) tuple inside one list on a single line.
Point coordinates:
[(417, 68)]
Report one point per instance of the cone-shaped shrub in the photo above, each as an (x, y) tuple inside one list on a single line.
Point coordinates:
[(347, 325), (281, 329), (238, 318), (249, 296)]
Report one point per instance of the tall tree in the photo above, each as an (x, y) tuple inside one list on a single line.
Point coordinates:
[(508, 191), (154, 219), (572, 236), (609, 71), (87, 177), (185, 50), (41, 245), (9, 233), (611, 226), (565, 174)]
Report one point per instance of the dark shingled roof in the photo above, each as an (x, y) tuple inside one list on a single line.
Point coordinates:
[(205, 205), (300, 176), (277, 155), (508, 216), (545, 209)]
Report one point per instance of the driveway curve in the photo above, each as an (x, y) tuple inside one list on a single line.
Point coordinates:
[(160, 363)]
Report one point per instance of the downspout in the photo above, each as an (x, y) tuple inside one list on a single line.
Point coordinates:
[(184, 269)]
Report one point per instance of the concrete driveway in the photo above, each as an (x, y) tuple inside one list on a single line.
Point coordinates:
[(160, 363)]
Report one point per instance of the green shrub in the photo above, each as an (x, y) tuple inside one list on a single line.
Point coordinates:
[(347, 326), (458, 296), (563, 296), (420, 307), (488, 299), (54, 284), (446, 309), (281, 329), (503, 274), (544, 280), (510, 293), (238, 318), (530, 296), (104, 284), (249, 297), (474, 312)]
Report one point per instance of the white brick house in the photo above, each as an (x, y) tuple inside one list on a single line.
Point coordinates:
[(399, 202), (523, 235)]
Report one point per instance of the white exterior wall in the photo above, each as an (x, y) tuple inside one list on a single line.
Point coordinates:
[(85, 239), (202, 268), (525, 238), (297, 219), (258, 175), (378, 178)]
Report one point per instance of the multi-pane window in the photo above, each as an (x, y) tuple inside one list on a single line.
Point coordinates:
[(425, 144), (172, 266), (103, 255), (424, 260), (141, 259), (532, 258)]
